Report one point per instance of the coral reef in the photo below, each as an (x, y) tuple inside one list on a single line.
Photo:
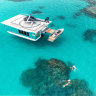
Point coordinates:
[(46, 79), (90, 11), (90, 35), (80, 88)]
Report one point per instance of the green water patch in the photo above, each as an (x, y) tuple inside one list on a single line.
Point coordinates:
[(49, 77)]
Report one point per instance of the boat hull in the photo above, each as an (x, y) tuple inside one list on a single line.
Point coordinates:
[(23, 36)]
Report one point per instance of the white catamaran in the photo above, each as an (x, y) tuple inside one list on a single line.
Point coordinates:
[(31, 28)]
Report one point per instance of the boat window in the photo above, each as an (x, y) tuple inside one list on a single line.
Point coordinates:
[(27, 34), (24, 33), (20, 31)]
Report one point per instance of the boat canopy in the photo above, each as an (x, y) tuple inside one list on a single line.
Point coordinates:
[(19, 23)]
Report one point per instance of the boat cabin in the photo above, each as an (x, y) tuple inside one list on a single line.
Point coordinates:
[(28, 27)]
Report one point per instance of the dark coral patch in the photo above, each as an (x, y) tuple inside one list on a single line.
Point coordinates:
[(90, 35), (27, 77), (36, 12), (89, 11), (77, 14), (61, 17), (41, 7)]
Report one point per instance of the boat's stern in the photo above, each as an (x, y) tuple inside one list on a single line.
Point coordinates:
[(55, 35)]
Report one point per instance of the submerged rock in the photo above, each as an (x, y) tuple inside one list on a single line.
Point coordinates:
[(46, 79), (90, 35)]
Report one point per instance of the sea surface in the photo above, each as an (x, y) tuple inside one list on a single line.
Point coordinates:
[(17, 54)]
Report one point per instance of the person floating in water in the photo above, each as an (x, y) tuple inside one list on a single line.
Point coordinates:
[(68, 83), (73, 68)]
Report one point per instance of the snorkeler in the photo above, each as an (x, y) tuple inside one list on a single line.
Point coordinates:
[(73, 68), (68, 83)]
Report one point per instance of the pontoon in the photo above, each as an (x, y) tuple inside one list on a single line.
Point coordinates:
[(31, 28)]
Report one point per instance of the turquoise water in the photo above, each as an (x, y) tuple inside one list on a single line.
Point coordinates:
[(17, 54)]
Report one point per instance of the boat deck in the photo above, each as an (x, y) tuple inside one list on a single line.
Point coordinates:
[(55, 35), (19, 23), (37, 26), (50, 31), (51, 39)]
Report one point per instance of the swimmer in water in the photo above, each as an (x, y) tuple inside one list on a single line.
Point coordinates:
[(73, 68), (68, 83)]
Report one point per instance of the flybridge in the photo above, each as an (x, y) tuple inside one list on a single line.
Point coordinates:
[(31, 28)]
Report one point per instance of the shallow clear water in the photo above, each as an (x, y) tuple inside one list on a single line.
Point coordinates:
[(17, 54)]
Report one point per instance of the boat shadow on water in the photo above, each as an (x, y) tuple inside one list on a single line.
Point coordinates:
[(43, 42)]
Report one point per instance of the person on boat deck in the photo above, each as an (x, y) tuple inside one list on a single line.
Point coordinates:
[(68, 83), (47, 20)]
